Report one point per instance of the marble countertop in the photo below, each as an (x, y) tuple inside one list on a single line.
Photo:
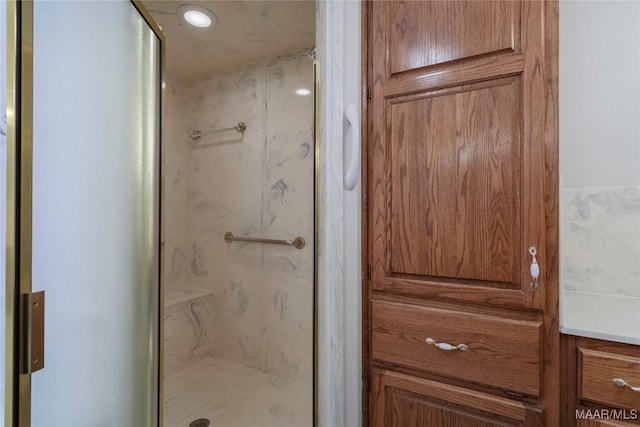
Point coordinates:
[(605, 317)]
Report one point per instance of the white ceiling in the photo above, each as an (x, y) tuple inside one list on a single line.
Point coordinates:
[(247, 31)]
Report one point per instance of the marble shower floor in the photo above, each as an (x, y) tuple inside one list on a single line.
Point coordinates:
[(232, 395)]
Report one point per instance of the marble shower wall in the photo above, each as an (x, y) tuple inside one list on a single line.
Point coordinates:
[(187, 311), (257, 185), (174, 176), (600, 268)]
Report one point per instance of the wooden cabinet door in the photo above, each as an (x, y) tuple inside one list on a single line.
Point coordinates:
[(456, 158), (404, 401)]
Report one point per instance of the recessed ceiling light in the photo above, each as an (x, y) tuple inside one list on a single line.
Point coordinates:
[(197, 16), (303, 92)]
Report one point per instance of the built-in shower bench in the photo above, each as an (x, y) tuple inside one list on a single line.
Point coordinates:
[(187, 327)]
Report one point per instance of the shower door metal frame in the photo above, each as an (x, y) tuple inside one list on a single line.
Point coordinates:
[(19, 40), (12, 215), (316, 235)]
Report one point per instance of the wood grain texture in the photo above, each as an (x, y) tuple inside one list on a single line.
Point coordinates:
[(456, 74), (592, 389), (534, 143), (568, 381), (455, 181), (407, 409), (377, 185), (551, 252), (596, 371), (427, 33), (529, 179), (503, 352), (408, 401), (532, 60)]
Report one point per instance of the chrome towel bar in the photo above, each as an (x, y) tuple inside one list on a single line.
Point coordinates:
[(298, 242)]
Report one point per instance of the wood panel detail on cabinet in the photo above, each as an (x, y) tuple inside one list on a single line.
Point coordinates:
[(460, 158), (502, 352), (484, 68), (461, 148), (597, 371), (457, 173), (590, 398), (435, 32), (402, 400)]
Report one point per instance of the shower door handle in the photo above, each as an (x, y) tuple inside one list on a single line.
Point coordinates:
[(353, 170)]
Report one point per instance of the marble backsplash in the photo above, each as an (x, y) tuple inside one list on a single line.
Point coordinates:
[(600, 268), (259, 184)]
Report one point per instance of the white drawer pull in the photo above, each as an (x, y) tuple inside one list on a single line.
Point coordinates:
[(534, 269), (446, 346), (622, 383)]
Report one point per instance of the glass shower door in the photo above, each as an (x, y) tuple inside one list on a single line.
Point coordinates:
[(88, 218)]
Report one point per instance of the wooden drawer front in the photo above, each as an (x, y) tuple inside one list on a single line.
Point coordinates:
[(603, 423), (402, 400), (501, 352), (597, 369)]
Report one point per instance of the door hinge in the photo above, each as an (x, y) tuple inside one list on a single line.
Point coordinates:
[(368, 94), (369, 271), (32, 332)]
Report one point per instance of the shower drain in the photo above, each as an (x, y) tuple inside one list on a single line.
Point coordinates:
[(200, 422)]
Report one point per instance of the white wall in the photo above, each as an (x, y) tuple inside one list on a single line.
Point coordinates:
[(599, 93), (330, 261), (352, 227), (600, 169), (338, 298)]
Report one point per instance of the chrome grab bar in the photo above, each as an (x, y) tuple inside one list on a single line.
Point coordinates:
[(298, 242), (240, 128)]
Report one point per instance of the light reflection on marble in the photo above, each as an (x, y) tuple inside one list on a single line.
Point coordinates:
[(600, 270), (230, 394)]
